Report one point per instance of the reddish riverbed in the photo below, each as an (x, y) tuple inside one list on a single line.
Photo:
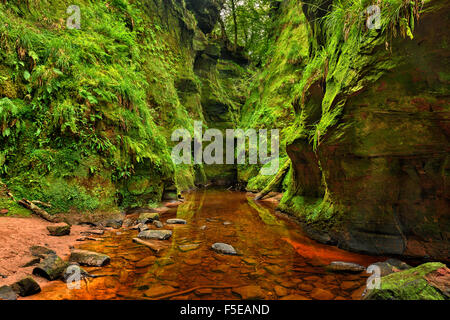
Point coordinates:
[(277, 260)]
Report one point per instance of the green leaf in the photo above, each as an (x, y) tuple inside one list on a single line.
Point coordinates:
[(26, 75)]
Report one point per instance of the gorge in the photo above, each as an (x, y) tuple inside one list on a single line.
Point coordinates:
[(87, 115)]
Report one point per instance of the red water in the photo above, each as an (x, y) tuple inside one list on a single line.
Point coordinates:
[(276, 257)]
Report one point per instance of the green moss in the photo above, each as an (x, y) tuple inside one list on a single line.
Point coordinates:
[(408, 285)]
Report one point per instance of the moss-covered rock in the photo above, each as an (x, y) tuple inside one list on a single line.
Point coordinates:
[(429, 281)]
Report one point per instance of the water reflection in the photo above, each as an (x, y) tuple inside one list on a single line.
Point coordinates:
[(276, 257)]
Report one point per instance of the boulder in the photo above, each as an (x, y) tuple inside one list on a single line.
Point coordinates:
[(146, 217), (26, 287), (158, 224), (176, 221), (89, 258), (7, 293), (340, 266), (59, 230), (41, 252), (3, 211), (223, 248), (142, 227), (51, 267), (128, 222), (429, 281), (155, 234)]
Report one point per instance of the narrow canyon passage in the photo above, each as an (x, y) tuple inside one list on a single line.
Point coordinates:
[(275, 258)]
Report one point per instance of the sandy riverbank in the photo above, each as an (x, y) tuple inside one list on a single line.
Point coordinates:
[(17, 235)]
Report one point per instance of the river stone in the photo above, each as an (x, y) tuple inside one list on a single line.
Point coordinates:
[(176, 221), (159, 290), (188, 247), (7, 293), (26, 287), (321, 294), (294, 297), (146, 217), (41, 252), (223, 248), (128, 222), (59, 230), (142, 227), (89, 258), (32, 262), (158, 224), (114, 223), (280, 291), (249, 292), (51, 267), (340, 266), (155, 234)]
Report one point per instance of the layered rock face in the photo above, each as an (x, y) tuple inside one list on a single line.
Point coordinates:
[(365, 123), (378, 179)]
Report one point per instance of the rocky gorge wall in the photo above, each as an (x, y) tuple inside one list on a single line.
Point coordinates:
[(367, 125), (86, 115)]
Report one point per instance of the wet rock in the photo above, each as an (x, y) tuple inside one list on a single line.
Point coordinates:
[(273, 269), (193, 262), (305, 287), (176, 221), (142, 227), (203, 227), (429, 281), (127, 222), (159, 290), (89, 258), (154, 245), (158, 224), (294, 297), (188, 247), (114, 223), (223, 248), (4, 211), (32, 262), (51, 267), (96, 232), (203, 292), (221, 268), (146, 217), (7, 293), (350, 285), (249, 292), (280, 291), (164, 262), (41, 252), (26, 287), (147, 261), (155, 234), (59, 230), (249, 261), (390, 266), (340, 266), (321, 294), (227, 223)]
